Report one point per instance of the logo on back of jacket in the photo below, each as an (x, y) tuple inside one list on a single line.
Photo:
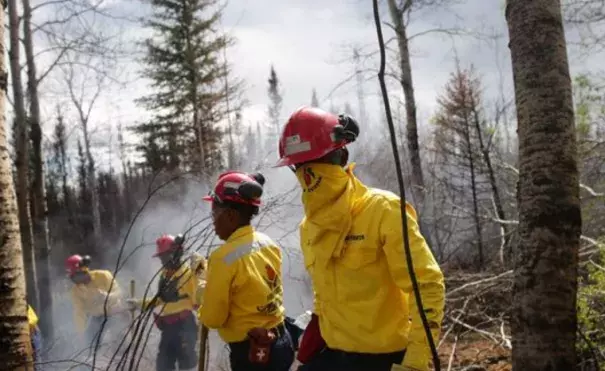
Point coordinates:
[(274, 299), (311, 180)]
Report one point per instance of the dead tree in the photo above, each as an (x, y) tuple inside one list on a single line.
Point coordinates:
[(84, 103)]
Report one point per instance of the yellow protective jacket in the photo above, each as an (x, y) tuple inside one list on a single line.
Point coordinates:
[(363, 291), (89, 299), (199, 266), (32, 318), (244, 288), (188, 290)]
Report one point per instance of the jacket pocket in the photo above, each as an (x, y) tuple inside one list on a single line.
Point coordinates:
[(357, 257)]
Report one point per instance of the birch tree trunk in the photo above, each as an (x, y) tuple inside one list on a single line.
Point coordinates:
[(15, 352), (39, 216), (405, 80), (544, 320), (22, 156)]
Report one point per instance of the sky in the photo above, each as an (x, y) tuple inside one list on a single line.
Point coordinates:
[(310, 42)]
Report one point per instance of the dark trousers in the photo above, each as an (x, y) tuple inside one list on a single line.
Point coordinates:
[(36, 339), (93, 331), (337, 360), (281, 358), (178, 345)]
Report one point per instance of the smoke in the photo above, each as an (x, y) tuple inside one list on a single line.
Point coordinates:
[(176, 208)]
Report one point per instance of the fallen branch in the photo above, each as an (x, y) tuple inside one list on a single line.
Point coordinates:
[(475, 283), (487, 334), (451, 360)]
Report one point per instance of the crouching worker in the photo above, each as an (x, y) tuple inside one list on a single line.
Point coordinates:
[(92, 293), (177, 298), (36, 338), (244, 294)]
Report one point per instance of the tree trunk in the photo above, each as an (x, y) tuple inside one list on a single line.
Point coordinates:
[(410, 102), (40, 220), (22, 157), (405, 65), (91, 179), (544, 321), (15, 353), (493, 184), (471, 165)]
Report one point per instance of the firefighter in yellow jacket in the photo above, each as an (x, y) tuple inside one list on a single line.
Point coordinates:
[(178, 296), (36, 338), (352, 243), (243, 298), (93, 296)]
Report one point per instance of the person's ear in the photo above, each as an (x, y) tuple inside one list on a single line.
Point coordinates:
[(344, 158)]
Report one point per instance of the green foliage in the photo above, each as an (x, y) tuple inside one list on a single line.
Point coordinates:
[(274, 112), (589, 107), (183, 63), (591, 306)]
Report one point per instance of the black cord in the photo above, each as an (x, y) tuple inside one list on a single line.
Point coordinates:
[(406, 239)]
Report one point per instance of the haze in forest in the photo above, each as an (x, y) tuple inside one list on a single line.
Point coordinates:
[(114, 139)]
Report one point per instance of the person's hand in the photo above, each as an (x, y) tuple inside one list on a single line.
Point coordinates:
[(132, 304), (100, 296)]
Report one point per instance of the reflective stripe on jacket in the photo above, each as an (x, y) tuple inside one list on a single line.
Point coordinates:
[(243, 286)]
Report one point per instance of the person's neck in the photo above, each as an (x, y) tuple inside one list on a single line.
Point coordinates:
[(235, 229)]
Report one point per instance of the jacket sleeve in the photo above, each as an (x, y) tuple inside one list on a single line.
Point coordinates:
[(199, 291), (32, 318), (79, 315), (113, 296), (428, 275), (195, 289), (214, 312)]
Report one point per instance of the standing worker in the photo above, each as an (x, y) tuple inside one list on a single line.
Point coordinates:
[(177, 298), (36, 338), (365, 316), (90, 292), (243, 298)]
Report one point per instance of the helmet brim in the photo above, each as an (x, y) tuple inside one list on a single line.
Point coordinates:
[(207, 198)]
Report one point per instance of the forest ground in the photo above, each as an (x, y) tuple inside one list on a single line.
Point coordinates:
[(474, 350)]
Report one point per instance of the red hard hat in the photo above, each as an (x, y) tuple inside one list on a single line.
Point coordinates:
[(165, 243), (238, 187), (73, 264), (312, 133)]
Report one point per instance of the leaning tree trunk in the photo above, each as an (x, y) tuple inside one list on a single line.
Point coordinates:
[(476, 216), (22, 157), (544, 320), (39, 216), (485, 151), (15, 352)]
